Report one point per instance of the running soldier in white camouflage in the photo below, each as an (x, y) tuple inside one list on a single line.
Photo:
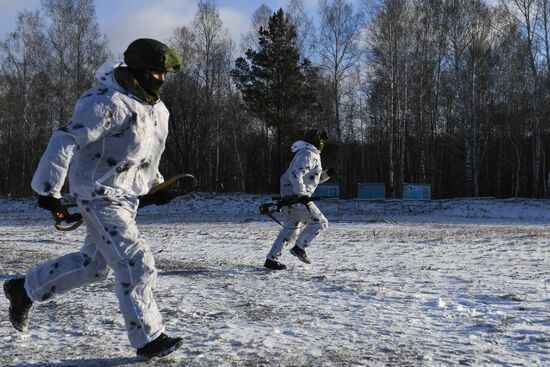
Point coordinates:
[(110, 149), (303, 222)]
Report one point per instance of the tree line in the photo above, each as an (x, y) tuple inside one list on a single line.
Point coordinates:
[(453, 93)]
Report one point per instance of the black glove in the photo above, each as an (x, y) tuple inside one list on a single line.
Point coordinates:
[(158, 198), (304, 199), (49, 203), (331, 172)]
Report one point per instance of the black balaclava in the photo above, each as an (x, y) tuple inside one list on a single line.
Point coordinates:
[(150, 84), (314, 137), (145, 55)]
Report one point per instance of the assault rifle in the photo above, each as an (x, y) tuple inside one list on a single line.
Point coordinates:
[(186, 180), (279, 203)]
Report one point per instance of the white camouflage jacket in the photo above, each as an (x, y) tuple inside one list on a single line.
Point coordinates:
[(112, 144), (305, 171)]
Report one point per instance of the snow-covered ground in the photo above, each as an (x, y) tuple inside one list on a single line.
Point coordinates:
[(452, 282)]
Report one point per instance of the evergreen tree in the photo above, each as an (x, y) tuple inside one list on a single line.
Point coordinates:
[(276, 84)]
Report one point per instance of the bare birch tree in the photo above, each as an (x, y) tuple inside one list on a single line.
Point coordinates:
[(77, 49), (337, 44), (23, 81), (528, 16)]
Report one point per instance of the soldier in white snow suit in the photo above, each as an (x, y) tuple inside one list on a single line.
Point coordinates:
[(110, 150), (303, 222)]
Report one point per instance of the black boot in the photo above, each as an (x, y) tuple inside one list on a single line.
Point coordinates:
[(274, 265), (300, 254), (20, 303), (160, 347)]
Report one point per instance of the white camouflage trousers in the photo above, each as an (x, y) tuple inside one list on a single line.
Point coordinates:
[(301, 225), (112, 243)]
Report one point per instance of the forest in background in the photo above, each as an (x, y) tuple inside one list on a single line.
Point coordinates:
[(452, 93)]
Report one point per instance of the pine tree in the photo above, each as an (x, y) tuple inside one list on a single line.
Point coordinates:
[(276, 84)]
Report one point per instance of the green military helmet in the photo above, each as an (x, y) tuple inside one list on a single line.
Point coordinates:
[(146, 53)]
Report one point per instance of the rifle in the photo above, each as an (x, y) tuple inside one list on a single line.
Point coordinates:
[(279, 203), (63, 215), (188, 181)]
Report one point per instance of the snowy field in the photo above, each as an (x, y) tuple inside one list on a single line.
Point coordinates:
[(440, 283)]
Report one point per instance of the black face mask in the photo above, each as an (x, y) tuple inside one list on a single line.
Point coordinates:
[(148, 82)]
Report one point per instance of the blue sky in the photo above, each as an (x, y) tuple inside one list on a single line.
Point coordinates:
[(125, 20)]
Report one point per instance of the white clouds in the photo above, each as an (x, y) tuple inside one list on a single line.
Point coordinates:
[(237, 23), (126, 20), (157, 20)]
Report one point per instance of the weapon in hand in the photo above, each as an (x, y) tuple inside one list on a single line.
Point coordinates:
[(63, 215), (188, 182), (279, 203), (60, 212)]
